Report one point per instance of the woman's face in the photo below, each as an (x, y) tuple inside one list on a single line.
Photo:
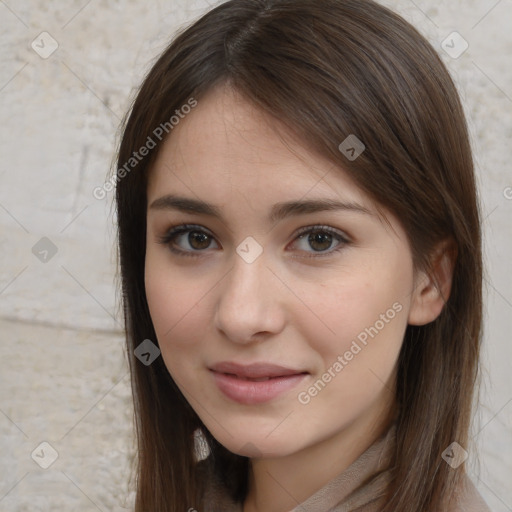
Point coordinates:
[(281, 303)]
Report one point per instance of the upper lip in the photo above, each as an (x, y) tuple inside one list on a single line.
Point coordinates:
[(254, 370)]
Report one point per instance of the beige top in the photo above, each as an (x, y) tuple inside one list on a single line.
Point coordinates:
[(359, 488)]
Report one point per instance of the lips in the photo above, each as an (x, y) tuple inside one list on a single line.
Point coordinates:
[(255, 383), (255, 370)]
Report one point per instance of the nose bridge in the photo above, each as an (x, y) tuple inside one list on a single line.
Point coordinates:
[(248, 303)]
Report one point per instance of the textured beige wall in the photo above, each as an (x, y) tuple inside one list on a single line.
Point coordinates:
[(63, 377)]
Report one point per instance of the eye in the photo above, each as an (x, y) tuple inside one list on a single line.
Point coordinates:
[(321, 240), (190, 239)]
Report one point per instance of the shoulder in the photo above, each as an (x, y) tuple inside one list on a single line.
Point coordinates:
[(468, 499)]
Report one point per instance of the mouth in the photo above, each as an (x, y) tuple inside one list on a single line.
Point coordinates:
[(252, 379), (255, 383)]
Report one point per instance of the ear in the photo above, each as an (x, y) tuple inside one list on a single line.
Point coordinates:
[(433, 287)]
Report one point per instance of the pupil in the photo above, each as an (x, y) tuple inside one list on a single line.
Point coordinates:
[(324, 239)]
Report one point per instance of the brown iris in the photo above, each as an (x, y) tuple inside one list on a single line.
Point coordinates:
[(320, 240), (202, 239)]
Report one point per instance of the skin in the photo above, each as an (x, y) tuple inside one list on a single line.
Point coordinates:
[(294, 305)]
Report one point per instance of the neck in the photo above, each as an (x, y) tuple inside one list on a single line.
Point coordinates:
[(281, 484)]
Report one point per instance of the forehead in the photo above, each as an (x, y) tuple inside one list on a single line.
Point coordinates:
[(227, 147)]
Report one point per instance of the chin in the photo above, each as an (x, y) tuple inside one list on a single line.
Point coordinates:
[(254, 443)]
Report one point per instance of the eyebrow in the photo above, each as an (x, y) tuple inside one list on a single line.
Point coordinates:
[(278, 212)]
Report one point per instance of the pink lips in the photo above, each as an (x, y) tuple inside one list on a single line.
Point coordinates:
[(255, 383)]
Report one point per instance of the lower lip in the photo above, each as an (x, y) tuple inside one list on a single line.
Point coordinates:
[(250, 392)]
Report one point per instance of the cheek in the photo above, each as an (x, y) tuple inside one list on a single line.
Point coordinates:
[(348, 308), (355, 366), (175, 309), (363, 320)]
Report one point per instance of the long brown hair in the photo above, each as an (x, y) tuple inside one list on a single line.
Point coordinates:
[(327, 69)]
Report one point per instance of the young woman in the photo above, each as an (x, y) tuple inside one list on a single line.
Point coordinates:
[(299, 236)]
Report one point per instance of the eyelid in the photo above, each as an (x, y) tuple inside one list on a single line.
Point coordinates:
[(323, 228)]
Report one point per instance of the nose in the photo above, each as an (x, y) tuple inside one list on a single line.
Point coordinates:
[(249, 305)]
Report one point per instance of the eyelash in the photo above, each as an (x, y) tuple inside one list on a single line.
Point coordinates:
[(175, 231)]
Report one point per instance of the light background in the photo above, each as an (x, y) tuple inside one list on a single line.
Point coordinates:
[(63, 376)]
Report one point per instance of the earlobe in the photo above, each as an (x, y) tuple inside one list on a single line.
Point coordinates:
[(433, 287)]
